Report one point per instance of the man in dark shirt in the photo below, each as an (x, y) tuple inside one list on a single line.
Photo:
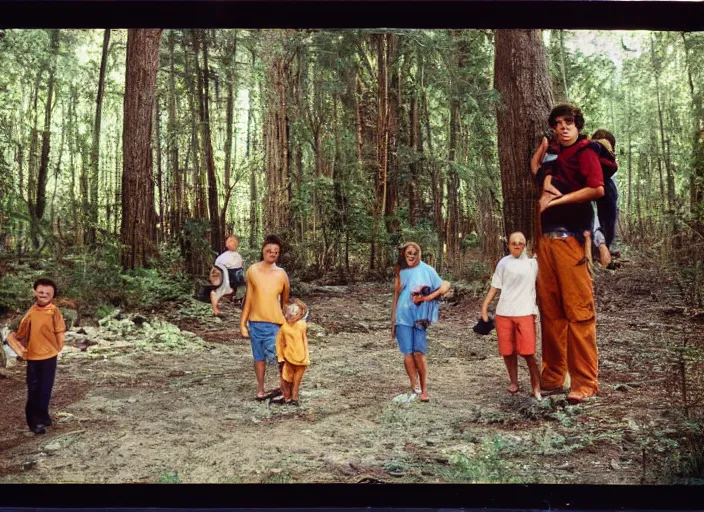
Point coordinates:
[(564, 286)]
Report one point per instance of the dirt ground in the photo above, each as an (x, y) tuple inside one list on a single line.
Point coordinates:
[(188, 414)]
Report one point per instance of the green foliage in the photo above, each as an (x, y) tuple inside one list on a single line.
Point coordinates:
[(487, 466), (169, 477), (15, 292)]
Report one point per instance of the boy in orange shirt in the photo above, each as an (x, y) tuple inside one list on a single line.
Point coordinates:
[(292, 352), (41, 332)]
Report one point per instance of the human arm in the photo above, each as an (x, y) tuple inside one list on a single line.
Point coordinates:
[(537, 158), (285, 293), (444, 288), (397, 292), (583, 195), (485, 305), (246, 310)]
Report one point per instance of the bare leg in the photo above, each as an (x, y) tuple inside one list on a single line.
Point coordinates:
[(285, 386), (534, 376), (604, 255), (411, 370), (214, 303), (512, 367), (297, 378), (260, 371), (421, 364)]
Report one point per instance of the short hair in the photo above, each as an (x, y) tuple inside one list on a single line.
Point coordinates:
[(605, 134), (44, 281), (272, 239), (567, 110), (231, 236)]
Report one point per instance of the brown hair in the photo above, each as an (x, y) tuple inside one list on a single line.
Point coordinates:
[(567, 110), (605, 134), (401, 261)]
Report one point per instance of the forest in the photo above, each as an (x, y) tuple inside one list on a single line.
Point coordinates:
[(128, 156)]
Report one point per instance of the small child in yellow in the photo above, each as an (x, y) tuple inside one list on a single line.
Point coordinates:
[(292, 352), (41, 331)]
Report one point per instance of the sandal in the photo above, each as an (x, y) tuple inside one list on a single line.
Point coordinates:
[(278, 400), (292, 402)]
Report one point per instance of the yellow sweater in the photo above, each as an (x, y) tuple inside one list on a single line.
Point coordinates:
[(264, 287), (292, 344)]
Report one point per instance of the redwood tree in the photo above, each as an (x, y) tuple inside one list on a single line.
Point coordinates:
[(138, 215), (521, 77)]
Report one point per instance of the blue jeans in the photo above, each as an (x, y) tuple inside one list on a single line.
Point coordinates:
[(607, 211)]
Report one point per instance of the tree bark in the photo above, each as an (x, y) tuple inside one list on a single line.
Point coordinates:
[(177, 190), (521, 77), (95, 145), (206, 140), (138, 216)]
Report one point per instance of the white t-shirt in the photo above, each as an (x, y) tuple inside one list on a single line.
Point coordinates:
[(229, 259), (515, 277)]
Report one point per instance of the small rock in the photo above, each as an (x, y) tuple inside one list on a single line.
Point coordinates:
[(131, 400), (615, 465), (622, 387), (52, 447)]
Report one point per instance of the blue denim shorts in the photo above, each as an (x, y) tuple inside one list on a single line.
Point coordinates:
[(411, 339), (263, 338)]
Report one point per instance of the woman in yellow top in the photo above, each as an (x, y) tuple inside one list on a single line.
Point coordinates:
[(292, 352), (41, 335), (266, 297)]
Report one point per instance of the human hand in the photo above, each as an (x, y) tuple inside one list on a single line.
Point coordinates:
[(537, 158), (485, 315), (545, 200), (417, 299), (393, 331), (244, 331), (550, 188)]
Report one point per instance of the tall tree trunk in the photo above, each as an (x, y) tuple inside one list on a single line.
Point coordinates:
[(95, 146), (161, 232), (229, 121), (138, 216), (206, 140), (697, 152), (43, 172), (253, 199), (177, 192), (521, 77), (198, 188), (277, 153), (393, 224)]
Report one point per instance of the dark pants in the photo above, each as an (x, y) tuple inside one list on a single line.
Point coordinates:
[(607, 210), (40, 381)]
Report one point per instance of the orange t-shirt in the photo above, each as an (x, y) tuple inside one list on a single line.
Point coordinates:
[(263, 292), (39, 328)]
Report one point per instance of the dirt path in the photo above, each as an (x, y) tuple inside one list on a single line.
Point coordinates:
[(140, 416)]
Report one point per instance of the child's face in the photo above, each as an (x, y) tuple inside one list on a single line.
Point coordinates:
[(565, 130), (232, 243), (44, 294), (516, 246), (271, 253)]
